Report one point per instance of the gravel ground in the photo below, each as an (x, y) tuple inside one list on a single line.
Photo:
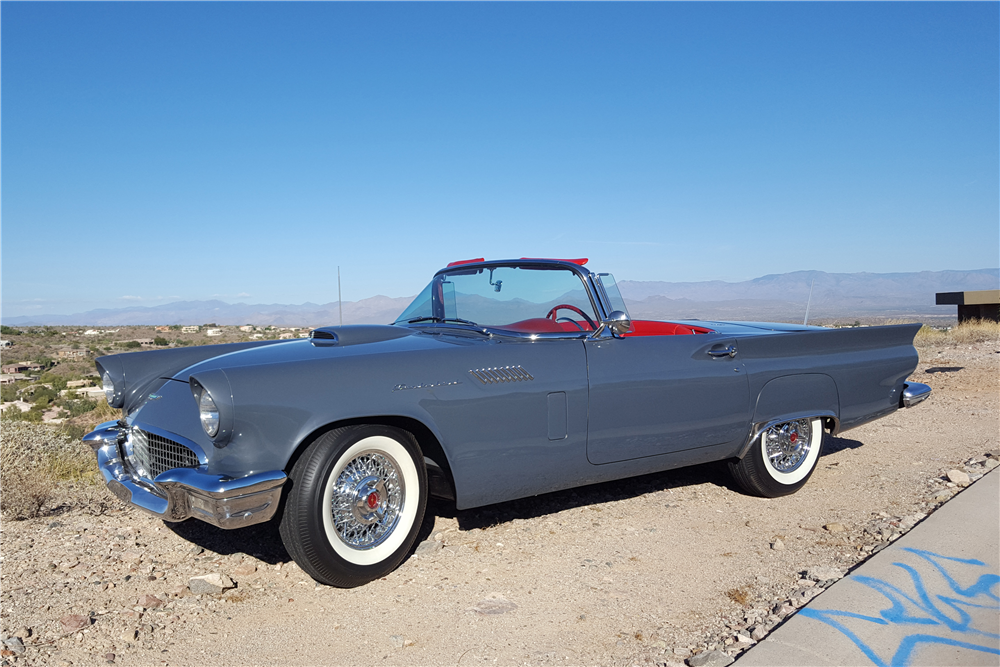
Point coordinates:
[(652, 570)]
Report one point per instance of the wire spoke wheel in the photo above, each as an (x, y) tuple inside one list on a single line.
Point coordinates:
[(367, 499), (786, 445)]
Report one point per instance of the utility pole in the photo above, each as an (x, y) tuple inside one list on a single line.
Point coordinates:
[(340, 302)]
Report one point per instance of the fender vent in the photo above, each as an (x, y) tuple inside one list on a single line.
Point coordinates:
[(501, 374)]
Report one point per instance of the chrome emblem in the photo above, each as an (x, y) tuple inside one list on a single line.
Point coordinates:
[(404, 387)]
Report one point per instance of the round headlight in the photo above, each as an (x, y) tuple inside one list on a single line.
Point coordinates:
[(209, 413), (109, 388)]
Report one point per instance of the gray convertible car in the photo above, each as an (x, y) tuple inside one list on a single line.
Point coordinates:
[(503, 379)]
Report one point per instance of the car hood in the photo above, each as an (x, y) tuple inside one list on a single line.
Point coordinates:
[(324, 342)]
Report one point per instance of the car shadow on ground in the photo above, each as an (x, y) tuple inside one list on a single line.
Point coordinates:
[(263, 542), (833, 445), (716, 473), (594, 494)]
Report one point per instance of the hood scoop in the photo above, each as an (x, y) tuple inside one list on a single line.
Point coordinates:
[(356, 334)]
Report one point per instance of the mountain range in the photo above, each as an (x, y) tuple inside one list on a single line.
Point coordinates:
[(776, 297), (784, 296)]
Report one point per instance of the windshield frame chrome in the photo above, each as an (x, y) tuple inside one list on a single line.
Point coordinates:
[(598, 300)]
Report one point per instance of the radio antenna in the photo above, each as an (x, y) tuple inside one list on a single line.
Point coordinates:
[(805, 321)]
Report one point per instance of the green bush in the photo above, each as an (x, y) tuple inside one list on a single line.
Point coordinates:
[(78, 407), (44, 396), (160, 340), (58, 382), (32, 415)]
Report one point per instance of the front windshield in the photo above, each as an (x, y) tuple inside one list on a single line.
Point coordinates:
[(528, 299)]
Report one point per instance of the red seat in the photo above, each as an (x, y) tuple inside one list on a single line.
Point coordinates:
[(654, 328), (542, 325)]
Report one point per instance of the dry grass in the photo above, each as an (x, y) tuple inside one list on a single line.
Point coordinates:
[(42, 470), (102, 413), (966, 333), (740, 596)]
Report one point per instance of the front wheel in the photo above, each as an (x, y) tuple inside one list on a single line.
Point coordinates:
[(781, 459), (356, 502)]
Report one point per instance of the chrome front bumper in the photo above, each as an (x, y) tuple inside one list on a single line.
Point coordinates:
[(183, 493)]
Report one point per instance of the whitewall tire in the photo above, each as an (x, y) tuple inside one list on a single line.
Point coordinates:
[(356, 502), (781, 458)]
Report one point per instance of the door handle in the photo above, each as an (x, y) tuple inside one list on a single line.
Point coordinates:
[(725, 352)]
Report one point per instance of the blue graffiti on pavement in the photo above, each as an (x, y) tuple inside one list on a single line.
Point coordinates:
[(946, 616)]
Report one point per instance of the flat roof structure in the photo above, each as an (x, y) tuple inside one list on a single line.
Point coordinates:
[(974, 305)]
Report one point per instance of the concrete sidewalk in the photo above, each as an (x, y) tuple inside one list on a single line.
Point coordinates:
[(931, 598)]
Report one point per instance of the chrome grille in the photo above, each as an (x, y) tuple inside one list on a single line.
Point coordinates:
[(499, 374), (151, 454)]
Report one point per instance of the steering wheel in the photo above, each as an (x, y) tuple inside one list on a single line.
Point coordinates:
[(552, 314)]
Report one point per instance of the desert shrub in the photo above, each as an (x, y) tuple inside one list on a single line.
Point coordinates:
[(43, 396), (78, 407), (73, 431), (32, 415), (102, 412), (966, 333), (42, 470), (8, 392), (57, 382)]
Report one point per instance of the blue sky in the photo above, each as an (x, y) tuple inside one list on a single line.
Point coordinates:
[(153, 152)]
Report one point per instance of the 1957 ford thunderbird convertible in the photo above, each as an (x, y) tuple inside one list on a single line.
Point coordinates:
[(503, 379)]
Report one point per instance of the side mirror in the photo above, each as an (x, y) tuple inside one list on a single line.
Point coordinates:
[(618, 322)]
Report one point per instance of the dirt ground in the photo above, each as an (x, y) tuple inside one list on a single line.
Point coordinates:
[(642, 571)]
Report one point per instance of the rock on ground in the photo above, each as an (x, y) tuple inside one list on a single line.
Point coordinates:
[(710, 659), (211, 584)]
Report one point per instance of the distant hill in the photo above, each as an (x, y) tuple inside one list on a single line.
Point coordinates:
[(777, 297), (374, 310), (783, 297)]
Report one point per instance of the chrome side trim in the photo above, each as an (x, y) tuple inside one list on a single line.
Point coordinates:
[(914, 393), (545, 335), (830, 421), (440, 327), (501, 374), (182, 493)]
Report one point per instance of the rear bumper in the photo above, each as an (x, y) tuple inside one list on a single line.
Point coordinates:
[(914, 393), (182, 493)]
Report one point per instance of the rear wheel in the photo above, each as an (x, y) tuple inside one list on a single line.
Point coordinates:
[(356, 502), (781, 459)]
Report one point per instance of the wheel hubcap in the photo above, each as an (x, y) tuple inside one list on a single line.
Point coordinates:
[(367, 500), (786, 445)]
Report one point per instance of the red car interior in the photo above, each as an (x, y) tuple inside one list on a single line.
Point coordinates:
[(639, 327)]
